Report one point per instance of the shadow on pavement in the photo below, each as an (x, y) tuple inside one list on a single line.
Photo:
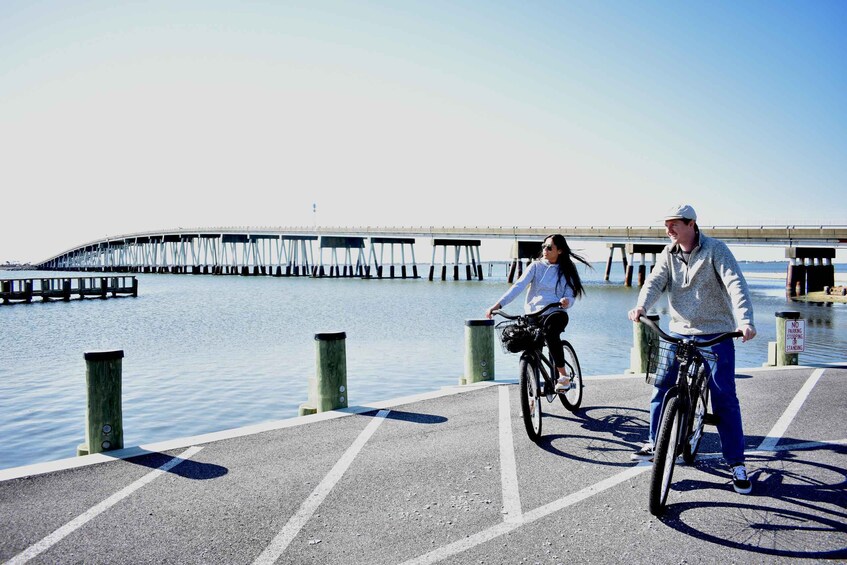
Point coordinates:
[(796, 509), (186, 468)]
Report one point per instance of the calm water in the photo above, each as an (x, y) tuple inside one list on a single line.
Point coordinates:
[(206, 353)]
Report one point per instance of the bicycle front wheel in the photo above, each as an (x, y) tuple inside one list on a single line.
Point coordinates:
[(664, 456), (573, 397), (694, 434), (530, 400)]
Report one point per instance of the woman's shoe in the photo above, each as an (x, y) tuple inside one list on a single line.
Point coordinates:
[(563, 384)]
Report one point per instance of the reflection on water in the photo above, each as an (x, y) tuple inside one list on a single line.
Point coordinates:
[(206, 353)]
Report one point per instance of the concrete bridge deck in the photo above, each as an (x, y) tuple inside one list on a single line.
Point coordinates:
[(450, 477)]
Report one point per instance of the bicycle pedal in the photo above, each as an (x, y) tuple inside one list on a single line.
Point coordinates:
[(711, 419)]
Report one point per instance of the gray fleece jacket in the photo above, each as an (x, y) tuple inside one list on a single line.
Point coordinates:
[(707, 295)]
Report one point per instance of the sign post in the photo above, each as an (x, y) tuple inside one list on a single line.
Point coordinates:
[(790, 337)]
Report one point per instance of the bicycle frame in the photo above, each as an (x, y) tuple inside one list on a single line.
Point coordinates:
[(689, 382), (544, 368)]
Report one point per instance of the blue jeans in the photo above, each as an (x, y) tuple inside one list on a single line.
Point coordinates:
[(724, 400)]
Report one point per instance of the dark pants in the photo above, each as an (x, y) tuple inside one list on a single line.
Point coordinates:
[(554, 324)]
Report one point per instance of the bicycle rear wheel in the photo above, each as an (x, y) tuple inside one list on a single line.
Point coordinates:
[(664, 456), (573, 397), (530, 400), (694, 433)]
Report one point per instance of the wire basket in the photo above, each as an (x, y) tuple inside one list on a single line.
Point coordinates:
[(516, 337), (662, 363), (661, 355)]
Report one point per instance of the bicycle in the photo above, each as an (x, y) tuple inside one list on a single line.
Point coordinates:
[(524, 334), (685, 406)]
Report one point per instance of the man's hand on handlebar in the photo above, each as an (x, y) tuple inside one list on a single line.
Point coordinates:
[(636, 313), (748, 333), (489, 312)]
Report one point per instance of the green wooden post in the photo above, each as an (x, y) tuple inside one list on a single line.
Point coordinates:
[(328, 390), (479, 351), (642, 337), (103, 415), (783, 358)]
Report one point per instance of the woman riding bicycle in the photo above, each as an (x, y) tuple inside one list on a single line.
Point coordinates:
[(551, 278)]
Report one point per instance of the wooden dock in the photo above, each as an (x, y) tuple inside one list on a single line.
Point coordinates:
[(64, 288)]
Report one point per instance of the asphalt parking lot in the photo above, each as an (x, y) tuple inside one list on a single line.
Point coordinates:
[(451, 477)]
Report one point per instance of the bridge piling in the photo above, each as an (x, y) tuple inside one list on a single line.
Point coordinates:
[(642, 249), (610, 260), (819, 273)]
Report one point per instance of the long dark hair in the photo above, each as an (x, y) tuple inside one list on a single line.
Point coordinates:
[(567, 268)]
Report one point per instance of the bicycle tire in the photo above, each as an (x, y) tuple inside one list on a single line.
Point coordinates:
[(530, 400), (664, 456), (573, 397), (697, 421)]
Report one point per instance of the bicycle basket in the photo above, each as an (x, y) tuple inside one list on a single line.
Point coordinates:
[(660, 360), (660, 357), (516, 337)]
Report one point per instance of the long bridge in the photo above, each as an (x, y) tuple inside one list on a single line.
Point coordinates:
[(377, 252)]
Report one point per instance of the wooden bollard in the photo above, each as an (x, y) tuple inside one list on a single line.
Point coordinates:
[(479, 351), (642, 337), (777, 355), (103, 414), (328, 390)]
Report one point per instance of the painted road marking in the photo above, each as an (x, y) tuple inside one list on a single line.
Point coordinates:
[(506, 527), (508, 467), (278, 545), (781, 425), (82, 519), (768, 445)]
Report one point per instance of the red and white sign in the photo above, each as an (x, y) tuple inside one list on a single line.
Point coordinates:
[(795, 336)]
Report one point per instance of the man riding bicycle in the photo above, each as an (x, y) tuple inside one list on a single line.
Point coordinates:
[(707, 295)]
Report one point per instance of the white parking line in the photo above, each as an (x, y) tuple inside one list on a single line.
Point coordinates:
[(80, 520), (781, 425), (506, 527), (278, 545), (508, 468)]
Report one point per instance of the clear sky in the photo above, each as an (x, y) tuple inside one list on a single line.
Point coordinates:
[(118, 117)]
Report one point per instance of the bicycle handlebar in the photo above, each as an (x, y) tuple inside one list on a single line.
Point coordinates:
[(672, 339), (500, 312)]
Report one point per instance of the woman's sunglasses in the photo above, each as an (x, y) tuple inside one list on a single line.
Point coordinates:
[(547, 247)]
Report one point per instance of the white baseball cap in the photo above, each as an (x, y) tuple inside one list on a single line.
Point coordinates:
[(681, 212)]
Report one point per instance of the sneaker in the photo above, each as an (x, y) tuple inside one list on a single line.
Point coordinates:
[(740, 482), (643, 454), (563, 384)]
